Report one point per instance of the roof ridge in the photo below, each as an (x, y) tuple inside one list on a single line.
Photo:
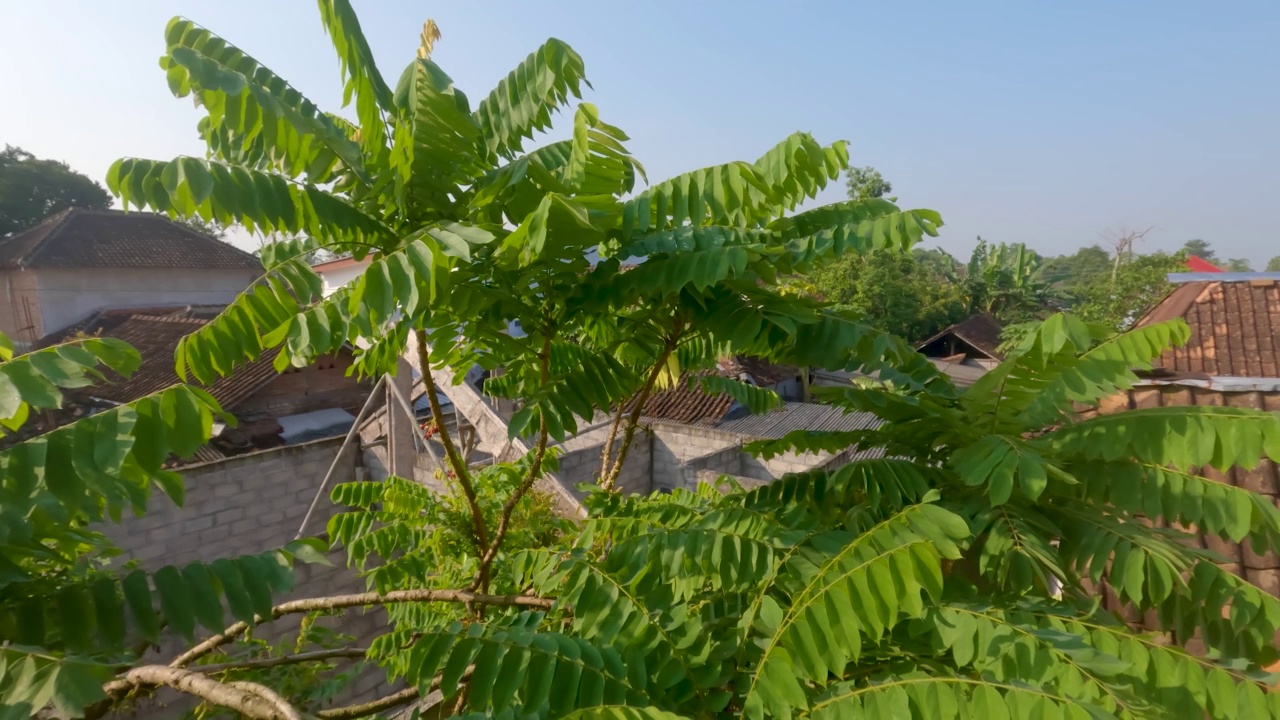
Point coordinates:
[(169, 319), (55, 222)]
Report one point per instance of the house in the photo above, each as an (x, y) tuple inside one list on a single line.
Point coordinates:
[(339, 271), (974, 341), (78, 262), (1231, 359), (272, 409)]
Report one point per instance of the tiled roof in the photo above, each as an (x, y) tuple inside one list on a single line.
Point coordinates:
[(155, 337), (77, 238), (981, 331), (1235, 327), (687, 403)]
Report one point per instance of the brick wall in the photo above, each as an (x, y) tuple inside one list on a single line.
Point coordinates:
[(244, 505), (1261, 570), (322, 384)]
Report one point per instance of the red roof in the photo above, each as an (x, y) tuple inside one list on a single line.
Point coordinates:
[(1195, 264)]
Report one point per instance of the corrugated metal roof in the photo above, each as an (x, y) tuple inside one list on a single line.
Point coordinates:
[(799, 416)]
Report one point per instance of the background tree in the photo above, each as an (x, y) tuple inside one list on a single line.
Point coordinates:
[(909, 295), (1067, 274), (32, 189), (1273, 265), (863, 183), (1238, 265), (1006, 280), (1136, 288), (1200, 248), (204, 227)]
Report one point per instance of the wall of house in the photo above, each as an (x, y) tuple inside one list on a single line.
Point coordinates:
[(245, 505), (322, 384), (68, 295), (340, 274), (18, 297)]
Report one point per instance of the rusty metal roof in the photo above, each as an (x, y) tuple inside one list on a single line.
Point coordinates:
[(1235, 327), (687, 403), (78, 238)]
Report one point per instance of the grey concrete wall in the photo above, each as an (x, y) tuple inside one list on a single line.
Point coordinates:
[(71, 294), (248, 504)]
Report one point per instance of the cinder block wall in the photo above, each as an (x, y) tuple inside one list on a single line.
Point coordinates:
[(248, 504)]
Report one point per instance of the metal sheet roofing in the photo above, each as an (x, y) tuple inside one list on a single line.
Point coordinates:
[(799, 416)]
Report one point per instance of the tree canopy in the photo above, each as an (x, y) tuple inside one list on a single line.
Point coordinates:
[(32, 189), (1200, 248), (954, 571)]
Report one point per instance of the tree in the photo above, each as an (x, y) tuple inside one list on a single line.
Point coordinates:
[(1067, 274), (204, 227), (958, 570), (1200, 248), (1273, 265), (1238, 265), (906, 295), (32, 189), (863, 183), (1137, 286), (1006, 280)]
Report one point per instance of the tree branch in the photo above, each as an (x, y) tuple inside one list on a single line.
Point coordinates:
[(606, 455), (249, 699), (607, 482), (451, 451), (337, 602), (282, 660), (390, 701), (535, 469), (383, 703)]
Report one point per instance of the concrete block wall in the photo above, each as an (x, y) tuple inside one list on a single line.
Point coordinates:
[(779, 465), (244, 505)]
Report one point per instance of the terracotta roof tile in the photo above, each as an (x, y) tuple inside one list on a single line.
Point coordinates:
[(156, 337), (1235, 327), (116, 239), (762, 371)]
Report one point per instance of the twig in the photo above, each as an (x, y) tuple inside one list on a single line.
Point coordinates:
[(608, 481), (249, 699), (282, 660), (450, 451), (606, 455), (356, 711), (390, 701), (535, 469), (337, 602)]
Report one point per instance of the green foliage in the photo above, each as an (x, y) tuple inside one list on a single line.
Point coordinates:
[(1200, 249), (67, 616), (1273, 265), (956, 574), (1238, 265), (32, 189), (866, 182), (893, 291), (1118, 298)]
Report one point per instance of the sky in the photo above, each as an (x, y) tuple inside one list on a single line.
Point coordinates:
[(1056, 124)]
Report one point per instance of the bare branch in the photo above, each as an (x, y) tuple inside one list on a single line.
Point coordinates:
[(249, 699), (383, 703), (450, 450), (535, 469), (313, 656), (390, 701), (338, 602), (608, 480)]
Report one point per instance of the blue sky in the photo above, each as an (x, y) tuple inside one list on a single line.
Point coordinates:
[(1054, 124)]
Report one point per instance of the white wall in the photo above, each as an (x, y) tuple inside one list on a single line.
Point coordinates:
[(341, 274), (72, 294)]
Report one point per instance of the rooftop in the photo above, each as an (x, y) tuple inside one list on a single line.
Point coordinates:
[(1234, 320), (78, 238)]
